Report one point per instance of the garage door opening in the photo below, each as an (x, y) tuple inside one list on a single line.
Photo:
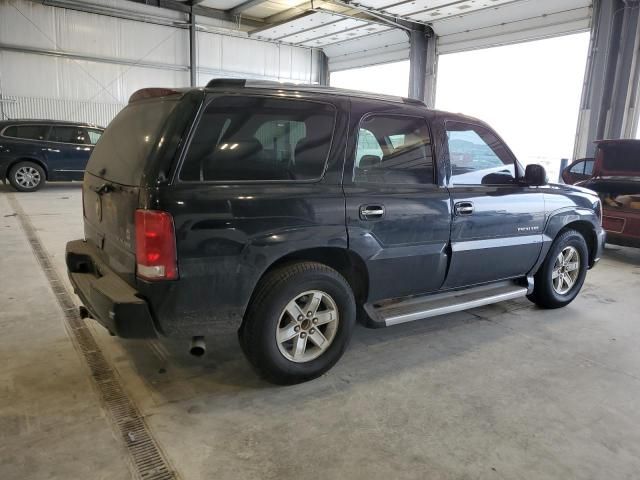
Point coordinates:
[(529, 92)]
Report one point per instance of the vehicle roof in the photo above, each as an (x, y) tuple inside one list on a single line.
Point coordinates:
[(618, 141), (241, 83), (37, 121)]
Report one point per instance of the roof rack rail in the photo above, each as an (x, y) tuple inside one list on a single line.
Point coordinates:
[(226, 82)]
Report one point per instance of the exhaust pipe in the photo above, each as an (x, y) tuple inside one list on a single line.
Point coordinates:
[(198, 347)]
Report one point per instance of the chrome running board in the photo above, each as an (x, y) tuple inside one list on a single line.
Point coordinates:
[(385, 314)]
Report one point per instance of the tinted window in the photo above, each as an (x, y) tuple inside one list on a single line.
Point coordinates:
[(241, 138), (578, 168), (393, 149), (29, 132), (126, 144), (69, 135), (477, 157), (94, 136)]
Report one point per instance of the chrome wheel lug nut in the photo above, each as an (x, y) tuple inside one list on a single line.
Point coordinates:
[(314, 321), (309, 314), (300, 318), (303, 335), (312, 331), (296, 328)]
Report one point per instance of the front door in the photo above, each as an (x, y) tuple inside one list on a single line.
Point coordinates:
[(497, 222), (398, 219)]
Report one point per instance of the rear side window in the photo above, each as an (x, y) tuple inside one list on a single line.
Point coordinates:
[(27, 132), (477, 156), (393, 149), (68, 134), (578, 168), (588, 167), (257, 138), (94, 135), (129, 140)]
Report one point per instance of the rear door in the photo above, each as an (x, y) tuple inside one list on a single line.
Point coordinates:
[(578, 171), (398, 218), (498, 222), (68, 150)]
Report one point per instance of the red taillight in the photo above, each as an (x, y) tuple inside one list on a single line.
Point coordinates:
[(155, 245)]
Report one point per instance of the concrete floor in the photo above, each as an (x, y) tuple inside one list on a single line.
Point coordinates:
[(506, 391)]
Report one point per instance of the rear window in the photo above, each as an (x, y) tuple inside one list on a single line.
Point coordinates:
[(258, 138), (621, 158), (126, 144), (27, 132)]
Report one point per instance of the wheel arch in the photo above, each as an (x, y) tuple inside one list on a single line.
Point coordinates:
[(582, 220), (344, 261), (588, 232), (28, 159)]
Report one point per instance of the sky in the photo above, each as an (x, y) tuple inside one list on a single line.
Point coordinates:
[(528, 92)]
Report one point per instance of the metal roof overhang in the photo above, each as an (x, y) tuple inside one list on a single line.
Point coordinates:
[(367, 32)]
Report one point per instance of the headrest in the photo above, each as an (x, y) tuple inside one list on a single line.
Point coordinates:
[(310, 155), (369, 161)]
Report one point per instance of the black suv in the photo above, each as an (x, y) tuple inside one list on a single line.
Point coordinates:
[(33, 151), (285, 212)]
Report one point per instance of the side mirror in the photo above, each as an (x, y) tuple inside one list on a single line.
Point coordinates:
[(535, 175)]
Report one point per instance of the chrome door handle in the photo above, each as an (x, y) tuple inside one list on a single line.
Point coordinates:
[(369, 212), (463, 208)]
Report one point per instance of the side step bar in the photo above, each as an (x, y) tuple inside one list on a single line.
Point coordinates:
[(393, 312)]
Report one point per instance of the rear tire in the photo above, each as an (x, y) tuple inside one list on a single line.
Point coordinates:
[(561, 276), (299, 322), (26, 176)]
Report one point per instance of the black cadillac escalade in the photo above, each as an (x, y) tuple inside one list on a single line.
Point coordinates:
[(286, 212)]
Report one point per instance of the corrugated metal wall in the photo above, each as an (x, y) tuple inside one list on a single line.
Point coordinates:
[(71, 65)]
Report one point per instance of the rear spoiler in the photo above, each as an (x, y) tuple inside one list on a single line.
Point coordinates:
[(145, 93)]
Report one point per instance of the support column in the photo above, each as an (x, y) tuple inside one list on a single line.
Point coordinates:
[(323, 69), (423, 65), (610, 90), (193, 49)]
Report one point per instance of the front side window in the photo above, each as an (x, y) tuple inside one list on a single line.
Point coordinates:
[(27, 132), (76, 135), (477, 156), (258, 138), (393, 149)]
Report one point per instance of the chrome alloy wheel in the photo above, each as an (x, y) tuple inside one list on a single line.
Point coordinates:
[(565, 270), (27, 177), (307, 326)]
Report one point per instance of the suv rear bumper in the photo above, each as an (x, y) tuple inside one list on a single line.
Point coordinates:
[(110, 300)]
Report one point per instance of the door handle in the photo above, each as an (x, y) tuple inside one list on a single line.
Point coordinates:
[(463, 208), (370, 212)]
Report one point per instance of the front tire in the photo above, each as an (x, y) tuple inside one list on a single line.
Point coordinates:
[(299, 323), (561, 276), (26, 176)]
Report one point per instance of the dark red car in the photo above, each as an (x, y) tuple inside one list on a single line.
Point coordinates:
[(578, 171), (616, 178)]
